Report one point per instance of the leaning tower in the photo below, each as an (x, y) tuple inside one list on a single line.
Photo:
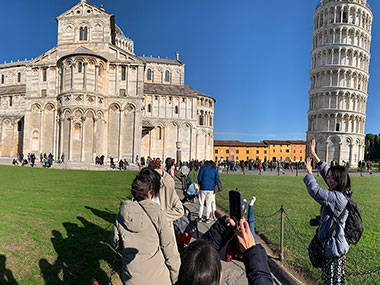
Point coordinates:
[(339, 79)]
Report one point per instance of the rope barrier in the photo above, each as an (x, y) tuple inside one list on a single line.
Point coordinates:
[(270, 216), (295, 232)]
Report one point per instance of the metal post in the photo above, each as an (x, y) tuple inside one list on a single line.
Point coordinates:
[(282, 234), (296, 169), (278, 170)]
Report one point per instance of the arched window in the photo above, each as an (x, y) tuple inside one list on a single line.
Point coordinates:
[(149, 108), (176, 109), (83, 33), (80, 65), (337, 128), (2, 79), (149, 75), (167, 74), (201, 120)]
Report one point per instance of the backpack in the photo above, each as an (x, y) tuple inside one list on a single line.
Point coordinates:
[(354, 226)]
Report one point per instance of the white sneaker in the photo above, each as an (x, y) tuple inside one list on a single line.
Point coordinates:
[(252, 201), (243, 206)]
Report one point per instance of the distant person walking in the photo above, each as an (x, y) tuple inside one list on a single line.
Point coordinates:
[(208, 177)]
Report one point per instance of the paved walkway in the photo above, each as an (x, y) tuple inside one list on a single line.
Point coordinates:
[(232, 272)]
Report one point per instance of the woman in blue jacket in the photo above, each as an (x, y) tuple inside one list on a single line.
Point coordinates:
[(333, 202)]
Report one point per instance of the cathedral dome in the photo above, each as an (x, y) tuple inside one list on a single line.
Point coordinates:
[(119, 32)]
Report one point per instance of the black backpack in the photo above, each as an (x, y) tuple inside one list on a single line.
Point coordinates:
[(354, 226)]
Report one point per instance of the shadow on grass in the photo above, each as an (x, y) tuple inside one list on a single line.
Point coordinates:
[(6, 276), (81, 252)]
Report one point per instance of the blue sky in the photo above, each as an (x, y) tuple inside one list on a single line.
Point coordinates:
[(253, 57)]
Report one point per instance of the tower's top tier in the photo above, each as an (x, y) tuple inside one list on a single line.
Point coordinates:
[(361, 2)]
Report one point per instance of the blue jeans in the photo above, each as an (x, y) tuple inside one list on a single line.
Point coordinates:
[(251, 221)]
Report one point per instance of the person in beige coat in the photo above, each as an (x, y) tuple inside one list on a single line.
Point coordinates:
[(142, 232), (167, 197)]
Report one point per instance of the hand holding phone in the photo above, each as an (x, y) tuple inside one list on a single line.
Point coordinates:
[(235, 205)]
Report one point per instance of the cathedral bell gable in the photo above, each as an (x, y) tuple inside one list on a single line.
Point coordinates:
[(83, 9), (85, 25)]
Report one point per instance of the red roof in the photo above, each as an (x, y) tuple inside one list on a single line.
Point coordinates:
[(238, 143)]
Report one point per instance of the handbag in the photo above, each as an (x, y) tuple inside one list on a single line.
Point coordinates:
[(218, 188), (316, 251), (316, 248)]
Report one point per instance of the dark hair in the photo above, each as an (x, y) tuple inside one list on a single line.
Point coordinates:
[(340, 175), (154, 165), (200, 265), (147, 180)]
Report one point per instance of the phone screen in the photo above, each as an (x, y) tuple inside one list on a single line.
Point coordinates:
[(235, 204)]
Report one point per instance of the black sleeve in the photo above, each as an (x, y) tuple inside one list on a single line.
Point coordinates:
[(256, 266), (219, 234)]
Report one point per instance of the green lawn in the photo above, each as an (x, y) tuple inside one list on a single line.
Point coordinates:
[(55, 224), (274, 191)]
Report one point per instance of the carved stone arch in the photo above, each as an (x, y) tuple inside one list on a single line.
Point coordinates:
[(7, 122), (36, 107), (348, 141), (67, 112), (186, 125), (50, 107), (175, 123), (78, 113), (334, 139), (83, 23), (99, 23), (160, 124), (69, 24), (91, 60), (68, 62), (90, 113), (130, 107), (99, 115), (114, 107), (79, 59)]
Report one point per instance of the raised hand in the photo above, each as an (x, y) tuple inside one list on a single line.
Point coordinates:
[(308, 166), (312, 147), (244, 235), (312, 151)]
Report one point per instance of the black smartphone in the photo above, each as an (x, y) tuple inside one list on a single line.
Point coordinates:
[(235, 204)]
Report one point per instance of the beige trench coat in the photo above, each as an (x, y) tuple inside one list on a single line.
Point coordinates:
[(148, 257)]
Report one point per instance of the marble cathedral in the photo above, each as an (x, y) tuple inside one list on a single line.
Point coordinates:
[(91, 95)]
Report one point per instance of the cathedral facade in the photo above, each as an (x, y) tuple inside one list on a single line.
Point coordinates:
[(339, 79), (91, 95)]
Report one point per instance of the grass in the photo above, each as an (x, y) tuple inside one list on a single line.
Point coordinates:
[(56, 224), (274, 191)]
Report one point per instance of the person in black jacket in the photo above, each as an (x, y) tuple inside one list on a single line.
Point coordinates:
[(200, 262)]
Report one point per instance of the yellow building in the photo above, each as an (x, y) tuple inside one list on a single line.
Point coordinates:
[(264, 151), (236, 150)]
